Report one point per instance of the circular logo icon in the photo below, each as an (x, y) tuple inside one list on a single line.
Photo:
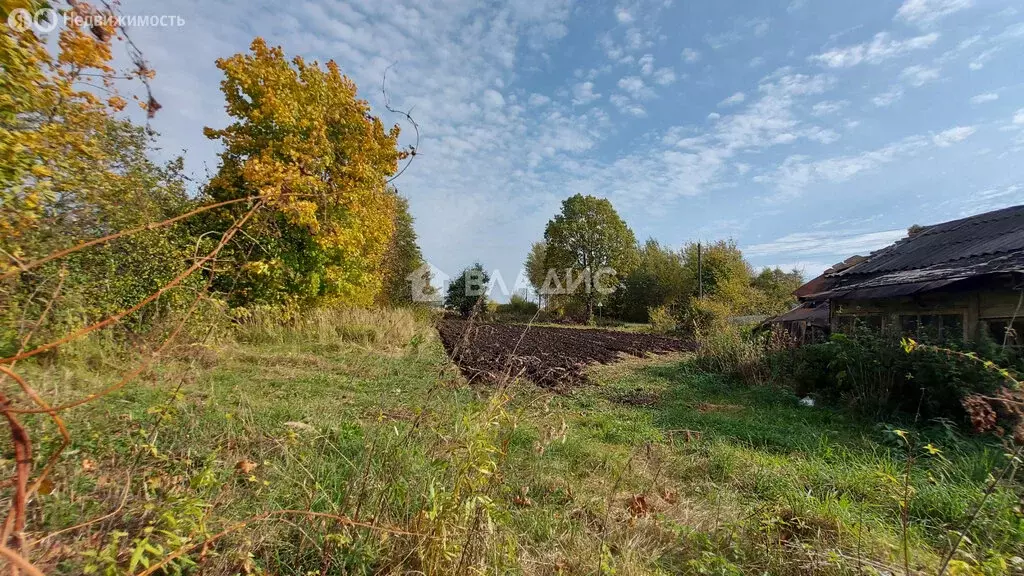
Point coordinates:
[(20, 19), (46, 20)]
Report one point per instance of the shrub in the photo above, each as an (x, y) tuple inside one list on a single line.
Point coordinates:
[(871, 372), (706, 315), (662, 319)]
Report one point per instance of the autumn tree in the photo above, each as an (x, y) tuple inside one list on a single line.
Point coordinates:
[(311, 150), (71, 171), (56, 102), (589, 238), (468, 291), (722, 273), (403, 257)]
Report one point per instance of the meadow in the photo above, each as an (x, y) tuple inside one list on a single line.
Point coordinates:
[(348, 443)]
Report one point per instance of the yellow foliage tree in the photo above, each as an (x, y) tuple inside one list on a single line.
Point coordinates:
[(55, 99), (312, 151)]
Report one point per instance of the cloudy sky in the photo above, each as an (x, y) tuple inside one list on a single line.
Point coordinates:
[(806, 130)]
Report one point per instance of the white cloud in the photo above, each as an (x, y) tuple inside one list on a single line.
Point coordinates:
[(918, 75), (838, 242), (623, 15), (927, 12), (992, 199), (494, 99), (760, 26), (826, 107), (888, 97), (795, 5), (635, 87), (798, 172), (986, 97), (979, 61), (719, 41), (583, 93), (756, 61), (949, 137), (664, 76), (737, 31), (646, 63), (538, 99), (1018, 117), (695, 161), (637, 39), (881, 48), (627, 106), (690, 55), (736, 98)]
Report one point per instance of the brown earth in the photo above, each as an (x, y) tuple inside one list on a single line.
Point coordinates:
[(551, 357)]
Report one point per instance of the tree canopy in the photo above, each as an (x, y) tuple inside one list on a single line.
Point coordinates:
[(311, 150), (468, 291), (403, 257), (587, 236), (536, 270)]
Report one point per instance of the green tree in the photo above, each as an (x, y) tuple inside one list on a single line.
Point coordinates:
[(725, 275), (402, 258), (589, 238), (775, 289), (536, 270), (468, 291), (660, 279)]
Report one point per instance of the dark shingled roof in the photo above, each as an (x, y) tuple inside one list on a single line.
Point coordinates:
[(813, 314), (937, 256)]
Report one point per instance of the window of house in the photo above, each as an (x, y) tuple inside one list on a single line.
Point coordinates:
[(908, 324), (933, 327)]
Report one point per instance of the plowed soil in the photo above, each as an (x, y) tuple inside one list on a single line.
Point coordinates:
[(551, 357)]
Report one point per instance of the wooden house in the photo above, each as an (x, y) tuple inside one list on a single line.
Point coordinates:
[(957, 278)]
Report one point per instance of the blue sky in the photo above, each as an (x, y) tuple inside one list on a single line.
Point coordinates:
[(806, 130)]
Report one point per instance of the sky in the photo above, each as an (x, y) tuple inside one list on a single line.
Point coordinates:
[(805, 130)]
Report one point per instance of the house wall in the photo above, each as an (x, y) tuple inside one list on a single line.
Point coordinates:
[(975, 307)]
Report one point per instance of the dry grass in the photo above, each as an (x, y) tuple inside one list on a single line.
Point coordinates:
[(387, 329)]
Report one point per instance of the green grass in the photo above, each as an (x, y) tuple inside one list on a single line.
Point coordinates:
[(382, 429), (817, 465)]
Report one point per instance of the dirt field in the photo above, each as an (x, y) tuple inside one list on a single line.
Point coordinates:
[(552, 357)]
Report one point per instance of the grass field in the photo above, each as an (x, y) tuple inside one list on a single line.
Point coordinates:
[(655, 468)]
